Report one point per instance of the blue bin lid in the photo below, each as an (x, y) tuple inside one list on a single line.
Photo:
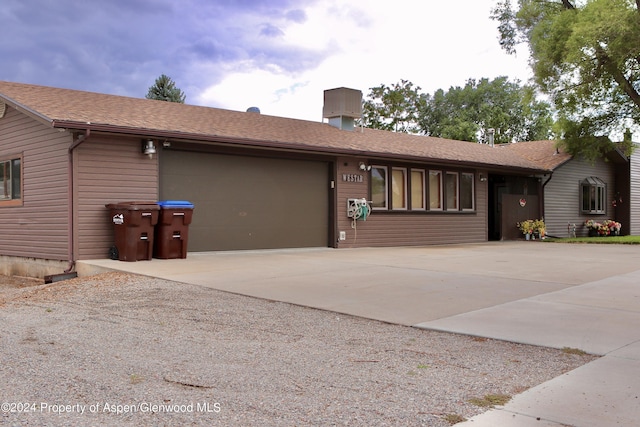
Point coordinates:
[(175, 204)]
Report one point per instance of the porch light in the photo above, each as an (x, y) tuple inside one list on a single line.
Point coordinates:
[(148, 148)]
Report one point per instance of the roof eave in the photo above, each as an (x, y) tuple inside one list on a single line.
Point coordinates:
[(26, 110), (277, 145)]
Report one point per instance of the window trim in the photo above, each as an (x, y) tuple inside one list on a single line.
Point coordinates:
[(19, 200), (593, 184), (404, 189), (473, 191), (386, 188), (423, 195), (440, 190), (457, 195), (434, 186)]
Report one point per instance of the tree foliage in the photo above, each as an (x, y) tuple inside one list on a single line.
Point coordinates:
[(586, 55), (463, 113), (165, 89), (467, 113), (393, 108)]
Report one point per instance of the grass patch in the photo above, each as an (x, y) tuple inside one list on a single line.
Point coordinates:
[(454, 419), (135, 379), (569, 350), (490, 400), (617, 240)]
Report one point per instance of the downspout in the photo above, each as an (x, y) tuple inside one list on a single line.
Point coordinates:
[(82, 137), (543, 186)]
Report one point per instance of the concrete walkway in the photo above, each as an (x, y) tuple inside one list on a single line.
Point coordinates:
[(555, 295)]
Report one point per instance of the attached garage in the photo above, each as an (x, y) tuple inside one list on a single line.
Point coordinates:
[(246, 202)]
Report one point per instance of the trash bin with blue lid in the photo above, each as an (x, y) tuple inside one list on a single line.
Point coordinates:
[(172, 231), (133, 226)]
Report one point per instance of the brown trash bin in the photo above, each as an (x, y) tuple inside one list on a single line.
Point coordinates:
[(133, 225), (172, 231)]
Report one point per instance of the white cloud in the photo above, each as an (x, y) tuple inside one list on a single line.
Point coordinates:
[(432, 44)]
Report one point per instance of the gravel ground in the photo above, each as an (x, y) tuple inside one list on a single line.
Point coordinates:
[(119, 349)]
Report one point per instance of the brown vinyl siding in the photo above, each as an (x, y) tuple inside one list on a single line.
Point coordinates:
[(562, 196), (406, 228), (108, 170), (348, 167), (38, 227), (634, 200)]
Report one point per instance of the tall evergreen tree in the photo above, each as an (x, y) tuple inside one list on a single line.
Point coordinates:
[(165, 89)]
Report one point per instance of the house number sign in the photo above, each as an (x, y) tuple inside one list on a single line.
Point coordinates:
[(352, 177)]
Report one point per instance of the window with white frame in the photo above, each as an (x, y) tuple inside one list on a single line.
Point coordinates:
[(399, 188), (435, 190), (396, 188), (379, 187), (417, 190), (593, 195), (466, 191), (451, 191), (10, 180)]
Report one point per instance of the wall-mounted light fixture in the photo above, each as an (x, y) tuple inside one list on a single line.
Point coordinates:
[(364, 167), (148, 148), (483, 177)]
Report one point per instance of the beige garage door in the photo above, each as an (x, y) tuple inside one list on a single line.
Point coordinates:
[(249, 202)]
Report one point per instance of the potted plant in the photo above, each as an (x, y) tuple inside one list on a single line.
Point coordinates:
[(526, 227), (613, 227), (539, 228), (607, 227)]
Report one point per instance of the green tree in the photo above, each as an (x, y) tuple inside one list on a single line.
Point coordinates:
[(467, 113), (586, 55), (394, 108), (165, 89)]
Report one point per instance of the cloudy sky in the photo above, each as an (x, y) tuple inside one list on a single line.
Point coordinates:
[(278, 55)]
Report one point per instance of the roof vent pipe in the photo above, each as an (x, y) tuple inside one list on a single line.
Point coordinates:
[(491, 134)]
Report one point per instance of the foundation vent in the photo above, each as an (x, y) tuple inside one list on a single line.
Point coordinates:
[(342, 106)]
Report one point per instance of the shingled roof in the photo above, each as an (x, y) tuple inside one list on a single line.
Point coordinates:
[(72, 109), (545, 154)]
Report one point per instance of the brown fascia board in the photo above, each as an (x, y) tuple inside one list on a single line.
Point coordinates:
[(276, 145), (621, 156), (26, 110)]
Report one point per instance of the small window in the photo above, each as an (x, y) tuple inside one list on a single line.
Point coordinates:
[(466, 191), (10, 181), (593, 195), (399, 188), (379, 187), (451, 189), (435, 190), (417, 190)]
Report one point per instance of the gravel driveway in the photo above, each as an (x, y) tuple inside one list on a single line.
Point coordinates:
[(119, 349)]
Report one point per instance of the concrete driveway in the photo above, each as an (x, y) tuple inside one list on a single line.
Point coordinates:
[(555, 295)]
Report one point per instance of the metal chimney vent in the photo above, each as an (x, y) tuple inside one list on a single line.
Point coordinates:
[(342, 106)]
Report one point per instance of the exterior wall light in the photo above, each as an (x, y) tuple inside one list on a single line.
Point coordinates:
[(148, 148), (483, 177), (364, 167)]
